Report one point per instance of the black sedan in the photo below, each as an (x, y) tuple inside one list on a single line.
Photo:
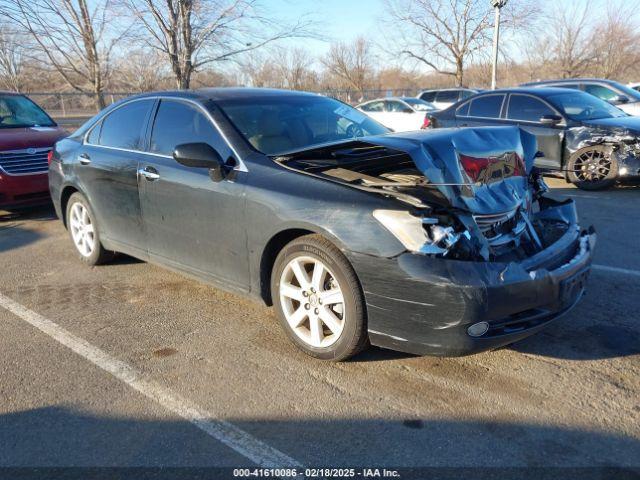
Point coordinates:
[(426, 242), (592, 142)]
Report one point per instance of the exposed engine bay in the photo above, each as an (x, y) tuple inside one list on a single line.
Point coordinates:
[(474, 195)]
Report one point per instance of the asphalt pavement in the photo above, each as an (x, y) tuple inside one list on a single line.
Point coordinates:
[(131, 365)]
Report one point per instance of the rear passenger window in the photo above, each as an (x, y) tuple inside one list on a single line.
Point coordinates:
[(448, 96), (487, 106), (123, 128), (526, 108), (428, 96), (177, 123), (463, 110), (373, 107)]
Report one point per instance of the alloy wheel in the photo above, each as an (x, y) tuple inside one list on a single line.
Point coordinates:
[(312, 301), (592, 166), (82, 230)]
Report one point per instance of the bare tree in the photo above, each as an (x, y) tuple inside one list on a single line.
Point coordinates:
[(351, 64), (195, 33), (140, 71), (446, 35), (569, 39), (72, 35), (295, 67), (12, 60), (615, 42)]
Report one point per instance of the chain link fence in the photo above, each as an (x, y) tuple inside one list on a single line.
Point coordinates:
[(71, 105)]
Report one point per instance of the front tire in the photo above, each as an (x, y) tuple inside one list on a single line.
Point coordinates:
[(593, 168), (318, 299), (83, 230)]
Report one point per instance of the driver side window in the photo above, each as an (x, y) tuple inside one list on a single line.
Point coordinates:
[(177, 123)]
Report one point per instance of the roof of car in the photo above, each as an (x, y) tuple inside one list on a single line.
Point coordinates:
[(223, 93), (455, 89), (570, 80), (546, 91)]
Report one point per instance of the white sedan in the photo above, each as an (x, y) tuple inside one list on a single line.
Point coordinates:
[(401, 114)]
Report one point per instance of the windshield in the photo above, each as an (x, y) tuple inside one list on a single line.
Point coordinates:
[(17, 111), (283, 123), (419, 105), (581, 106)]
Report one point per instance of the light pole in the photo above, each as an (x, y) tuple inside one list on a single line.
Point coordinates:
[(497, 5)]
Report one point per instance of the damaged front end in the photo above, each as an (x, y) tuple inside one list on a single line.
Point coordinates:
[(489, 258), (618, 142), (469, 195)]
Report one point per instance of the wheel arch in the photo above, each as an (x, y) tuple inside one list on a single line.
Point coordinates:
[(65, 195), (273, 247)]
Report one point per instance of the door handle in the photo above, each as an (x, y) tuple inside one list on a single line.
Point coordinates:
[(149, 173), (84, 159)]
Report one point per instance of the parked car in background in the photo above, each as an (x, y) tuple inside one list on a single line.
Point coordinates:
[(622, 96), (426, 242), (595, 143), (401, 114), (27, 135), (445, 97)]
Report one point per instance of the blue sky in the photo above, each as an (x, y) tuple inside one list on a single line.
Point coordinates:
[(340, 20), (343, 20)]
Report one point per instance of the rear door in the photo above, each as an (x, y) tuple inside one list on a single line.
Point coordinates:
[(192, 223), (106, 170), (526, 111)]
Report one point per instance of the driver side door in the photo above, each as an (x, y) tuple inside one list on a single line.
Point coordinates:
[(526, 111), (193, 223)]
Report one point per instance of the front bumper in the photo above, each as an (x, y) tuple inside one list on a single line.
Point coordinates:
[(23, 190), (424, 305)]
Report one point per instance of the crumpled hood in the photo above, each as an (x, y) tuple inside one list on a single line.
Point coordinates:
[(630, 124), (438, 153)]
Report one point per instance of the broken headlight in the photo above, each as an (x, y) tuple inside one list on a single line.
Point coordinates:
[(419, 234)]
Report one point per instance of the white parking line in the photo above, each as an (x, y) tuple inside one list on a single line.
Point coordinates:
[(624, 271), (239, 440)]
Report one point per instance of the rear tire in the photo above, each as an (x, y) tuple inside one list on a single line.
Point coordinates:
[(593, 168), (318, 299), (83, 230)]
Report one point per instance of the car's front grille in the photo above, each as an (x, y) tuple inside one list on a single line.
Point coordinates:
[(496, 224), (25, 162)]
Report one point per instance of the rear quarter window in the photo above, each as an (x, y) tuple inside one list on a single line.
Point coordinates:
[(463, 110)]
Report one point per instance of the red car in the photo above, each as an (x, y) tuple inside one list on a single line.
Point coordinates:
[(27, 135)]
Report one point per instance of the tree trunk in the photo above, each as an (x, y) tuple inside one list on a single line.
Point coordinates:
[(98, 98), (459, 71)]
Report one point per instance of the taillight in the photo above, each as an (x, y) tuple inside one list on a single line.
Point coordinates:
[(50, 157), (474, 166), (426, 122), (493, 168)]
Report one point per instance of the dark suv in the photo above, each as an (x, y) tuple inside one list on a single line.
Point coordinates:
[(592, 142)]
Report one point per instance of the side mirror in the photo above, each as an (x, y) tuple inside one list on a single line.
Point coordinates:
[(197, 155), (619, 99), (550, 120), (202, 155)]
